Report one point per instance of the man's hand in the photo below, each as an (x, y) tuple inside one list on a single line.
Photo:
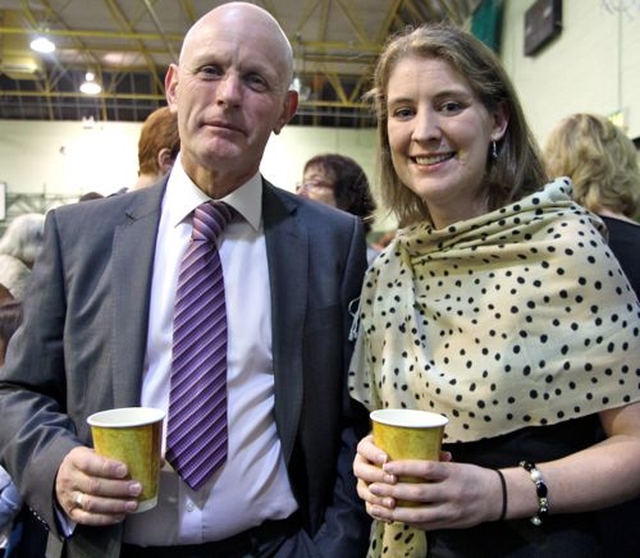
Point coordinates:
[(94, 490)]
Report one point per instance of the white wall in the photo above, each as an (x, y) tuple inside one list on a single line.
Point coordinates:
[(286, 153), (67, 158), (593, 66)]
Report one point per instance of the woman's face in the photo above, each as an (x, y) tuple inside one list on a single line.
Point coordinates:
[(318, 185), (439, 135)]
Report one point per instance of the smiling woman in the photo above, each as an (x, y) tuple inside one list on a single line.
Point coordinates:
[(488, 307), (516, 172), (439, 135)]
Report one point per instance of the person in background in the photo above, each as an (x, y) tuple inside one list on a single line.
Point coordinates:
[(97, 333), (341, 182), (602, 163), (158, 146), (19, 247), (603, 166), (10, 504), (498, 305), (10, 501), (5, 295), (88, 196), (10, 317), (384, 239)]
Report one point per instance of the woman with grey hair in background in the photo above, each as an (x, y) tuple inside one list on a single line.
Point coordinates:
[(19, 247)]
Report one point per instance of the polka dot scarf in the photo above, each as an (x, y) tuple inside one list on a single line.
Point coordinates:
[(520, 317)]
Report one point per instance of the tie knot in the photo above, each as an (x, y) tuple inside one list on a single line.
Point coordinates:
[(209, 219)]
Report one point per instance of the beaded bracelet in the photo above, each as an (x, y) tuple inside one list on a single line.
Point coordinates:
[(541, 491)]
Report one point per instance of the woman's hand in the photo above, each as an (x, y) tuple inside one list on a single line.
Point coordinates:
[(367, 467), (450, 495)]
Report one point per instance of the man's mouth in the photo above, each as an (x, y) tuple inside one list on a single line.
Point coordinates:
[(224, 125)]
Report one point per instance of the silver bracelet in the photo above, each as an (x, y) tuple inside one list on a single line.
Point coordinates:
[(541, 491)]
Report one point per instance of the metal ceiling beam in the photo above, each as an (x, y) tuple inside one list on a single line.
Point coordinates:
[(187, 8), (355, 23), (73, 95), (413, 11), (320, 45), (123, 22), (160, 28), (339, 70), (90, 59), (158, 97), (88, 33), (325, 6), (386, 26)]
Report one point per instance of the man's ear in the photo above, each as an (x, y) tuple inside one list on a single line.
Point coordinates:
[(289, 108), (171, 86)]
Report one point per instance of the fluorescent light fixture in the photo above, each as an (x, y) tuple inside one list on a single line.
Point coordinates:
[(43, 45), (90, 86)]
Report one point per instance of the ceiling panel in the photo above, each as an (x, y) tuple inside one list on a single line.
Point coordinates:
[(129, 44)]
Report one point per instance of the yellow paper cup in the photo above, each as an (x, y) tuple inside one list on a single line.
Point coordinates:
[(132, 435), (408, 434)]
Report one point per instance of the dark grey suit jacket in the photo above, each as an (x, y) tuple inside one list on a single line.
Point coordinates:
[(82, 345)]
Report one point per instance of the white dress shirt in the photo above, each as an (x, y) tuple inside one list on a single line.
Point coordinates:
[(253, 484)]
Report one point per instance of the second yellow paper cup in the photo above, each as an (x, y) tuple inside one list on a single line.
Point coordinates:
[(408, 434)]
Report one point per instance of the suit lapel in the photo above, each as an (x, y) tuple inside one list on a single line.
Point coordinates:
[(287, 255), (133, 256)]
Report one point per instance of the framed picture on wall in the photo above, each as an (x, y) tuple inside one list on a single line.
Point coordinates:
[(3, 201)]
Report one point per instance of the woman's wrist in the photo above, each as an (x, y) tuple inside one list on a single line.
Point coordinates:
[(522, 499), (504, 501), (542, 492)]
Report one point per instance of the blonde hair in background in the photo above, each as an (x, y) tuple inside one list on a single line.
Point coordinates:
[(601, 161)]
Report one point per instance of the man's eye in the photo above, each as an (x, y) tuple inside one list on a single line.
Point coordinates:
[(210, 71), (256, 82)]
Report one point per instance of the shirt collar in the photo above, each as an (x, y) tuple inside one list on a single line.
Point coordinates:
[(182, 196)]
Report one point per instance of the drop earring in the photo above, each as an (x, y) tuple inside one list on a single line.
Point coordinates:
[(494, 151)]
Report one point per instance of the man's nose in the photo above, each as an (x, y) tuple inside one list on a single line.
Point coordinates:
[(229, 89)]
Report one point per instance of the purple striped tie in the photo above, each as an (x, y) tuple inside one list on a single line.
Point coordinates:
[(197, 422)]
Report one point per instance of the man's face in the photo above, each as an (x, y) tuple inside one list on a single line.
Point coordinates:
[(231, 92)]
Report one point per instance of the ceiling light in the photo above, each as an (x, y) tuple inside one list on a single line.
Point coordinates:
[(43, 45), (90, 86)]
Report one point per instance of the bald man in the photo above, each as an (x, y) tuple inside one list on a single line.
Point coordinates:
[(97, 334)]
